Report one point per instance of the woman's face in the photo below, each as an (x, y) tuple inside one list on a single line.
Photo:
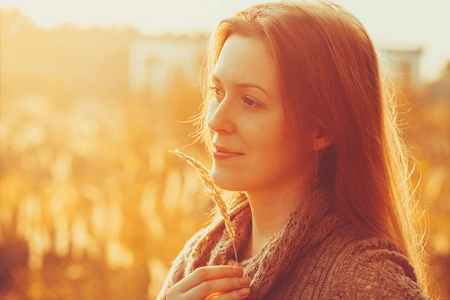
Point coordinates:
[(249, 131)]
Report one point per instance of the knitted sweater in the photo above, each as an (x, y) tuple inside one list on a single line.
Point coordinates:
[(315, 255)]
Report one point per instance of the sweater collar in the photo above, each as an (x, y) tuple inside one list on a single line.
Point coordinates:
[(309, 224)]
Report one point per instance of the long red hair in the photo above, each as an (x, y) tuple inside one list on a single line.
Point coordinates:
[(330, 77)]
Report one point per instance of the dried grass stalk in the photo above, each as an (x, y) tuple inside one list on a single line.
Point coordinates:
[(213, 191)]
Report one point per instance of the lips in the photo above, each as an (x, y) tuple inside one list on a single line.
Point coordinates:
[(224, 153)]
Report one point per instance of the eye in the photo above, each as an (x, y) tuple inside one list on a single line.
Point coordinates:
[(250, 103), (218, 92)]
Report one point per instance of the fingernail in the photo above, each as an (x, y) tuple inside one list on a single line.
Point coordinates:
[(245, 280), (244, 292), (238, 271)]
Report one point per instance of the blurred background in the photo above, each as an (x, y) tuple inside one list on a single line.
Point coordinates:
[(94, 94)]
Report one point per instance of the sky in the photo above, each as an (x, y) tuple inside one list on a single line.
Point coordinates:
[(391, 23)]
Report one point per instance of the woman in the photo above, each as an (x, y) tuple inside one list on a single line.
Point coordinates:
[(297, 120)]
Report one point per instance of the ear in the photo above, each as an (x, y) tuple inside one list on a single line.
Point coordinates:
[(321, 139)]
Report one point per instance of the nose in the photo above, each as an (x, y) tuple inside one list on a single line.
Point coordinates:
[(220, 116)]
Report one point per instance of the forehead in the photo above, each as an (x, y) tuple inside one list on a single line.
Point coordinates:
[(246, 60)]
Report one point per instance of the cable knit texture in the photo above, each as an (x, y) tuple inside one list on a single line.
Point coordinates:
[(315, 255)]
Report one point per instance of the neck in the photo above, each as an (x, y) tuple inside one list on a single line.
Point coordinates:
[(270, 210)]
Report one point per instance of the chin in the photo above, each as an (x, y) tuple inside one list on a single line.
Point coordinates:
[(226, 181)]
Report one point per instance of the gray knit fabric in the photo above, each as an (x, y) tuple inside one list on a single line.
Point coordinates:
[(315, 255)]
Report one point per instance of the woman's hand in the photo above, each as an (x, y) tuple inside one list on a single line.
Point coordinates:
[(216, 282)]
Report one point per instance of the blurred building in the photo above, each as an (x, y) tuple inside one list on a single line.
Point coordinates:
[(404, 64), (440, 89), (155, 63)]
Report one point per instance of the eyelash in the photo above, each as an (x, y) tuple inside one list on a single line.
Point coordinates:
[(246, 100), (217, 94), (215, 90)]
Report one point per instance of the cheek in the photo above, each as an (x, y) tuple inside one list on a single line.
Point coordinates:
[(281, 144), (271, 140), (276, 135)]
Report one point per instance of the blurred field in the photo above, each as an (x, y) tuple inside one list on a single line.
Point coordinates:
[(92, 206)]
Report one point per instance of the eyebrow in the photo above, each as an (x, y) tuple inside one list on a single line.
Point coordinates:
[(244, 85)]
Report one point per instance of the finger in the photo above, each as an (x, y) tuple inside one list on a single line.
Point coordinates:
[(208, 273), (234, 295), (222, 285)]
